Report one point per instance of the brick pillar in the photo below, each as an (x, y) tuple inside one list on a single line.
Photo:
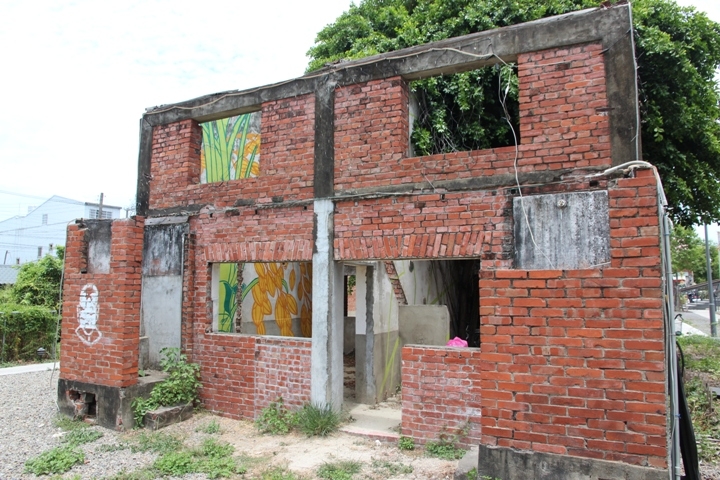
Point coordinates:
[(101, 306)]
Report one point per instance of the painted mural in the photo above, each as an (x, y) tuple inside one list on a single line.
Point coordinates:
[(87, 315), (278, 293), (230, 148)]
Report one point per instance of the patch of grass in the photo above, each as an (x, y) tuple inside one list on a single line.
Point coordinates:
[(444, 449), (406, 443), (113, 447), (155, 442), (701, 353), (68, 424), (343, 470), (317, 420), (278, 473), (176, 464), (81, 436), (210, 428), (276, 419), (147, 473), (390, 469), (57, 460), (212, 458)]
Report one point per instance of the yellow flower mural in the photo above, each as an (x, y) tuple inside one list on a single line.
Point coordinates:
[(280, 290)]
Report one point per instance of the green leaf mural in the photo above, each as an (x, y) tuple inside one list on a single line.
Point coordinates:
[(230, 148), (228, 297)]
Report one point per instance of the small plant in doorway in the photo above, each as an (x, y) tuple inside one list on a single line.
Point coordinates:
[(446, 447), (316, 420), (180, 387)]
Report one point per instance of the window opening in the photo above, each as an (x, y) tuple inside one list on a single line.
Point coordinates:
[(230, 148), (263, 298), (95, 213), (45, 219), (464, 111)]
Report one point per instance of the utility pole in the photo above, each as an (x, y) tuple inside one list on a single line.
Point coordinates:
[(101, 205), (711, 290)]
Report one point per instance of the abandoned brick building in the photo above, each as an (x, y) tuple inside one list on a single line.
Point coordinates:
[(255, 206)]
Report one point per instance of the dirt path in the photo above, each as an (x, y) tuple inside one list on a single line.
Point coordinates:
[(303, 455)]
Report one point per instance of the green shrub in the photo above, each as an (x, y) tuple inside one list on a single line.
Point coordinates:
[(26, 328), (176, 464), (181, 386), (276, 419), (406, 443), (57, 460), (317, 420)]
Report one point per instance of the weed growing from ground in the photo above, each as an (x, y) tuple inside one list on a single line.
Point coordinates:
[(155, 442), (57, 460), (211, 428), (406, 443), (343, 470), (317, 420), (81, 436), (278, 473), (180, 387), (390, 469), (68, 424), (276, 419), (445, 447)]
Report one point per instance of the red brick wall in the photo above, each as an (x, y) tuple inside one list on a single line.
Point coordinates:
[(441, 393), (464, 224), (563, 124), (282, 370), (227, 367), (113, 359), (573, 361), (286, 160), (242, 374), (371, 132)]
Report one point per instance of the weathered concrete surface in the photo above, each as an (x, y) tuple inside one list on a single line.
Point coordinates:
[(162, 287), (327, 314), (467, 463), (563, 230), (424, 324), (99, 238), (113, 404), (161, 315), (506, 463), (164, 416)]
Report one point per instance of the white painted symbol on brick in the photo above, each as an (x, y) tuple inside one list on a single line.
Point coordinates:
[(87, 314)]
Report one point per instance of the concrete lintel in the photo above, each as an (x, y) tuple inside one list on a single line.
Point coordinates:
[(166, 220), (326, 375), (474, 183)]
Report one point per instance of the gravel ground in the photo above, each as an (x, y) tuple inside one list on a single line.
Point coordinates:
[(27, 429)]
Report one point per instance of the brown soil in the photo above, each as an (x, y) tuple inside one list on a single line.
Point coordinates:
[(303, 455)]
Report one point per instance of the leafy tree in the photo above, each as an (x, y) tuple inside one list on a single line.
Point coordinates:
[(38, 283), (688, 253), (678, 51)]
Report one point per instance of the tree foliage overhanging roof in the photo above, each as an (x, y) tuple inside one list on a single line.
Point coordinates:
[(678, 53)]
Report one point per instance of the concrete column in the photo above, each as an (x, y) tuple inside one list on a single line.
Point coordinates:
[(327, 315), (365, 335)]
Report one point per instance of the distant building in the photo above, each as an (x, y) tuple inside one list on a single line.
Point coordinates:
[(8, 275), (29, 237)]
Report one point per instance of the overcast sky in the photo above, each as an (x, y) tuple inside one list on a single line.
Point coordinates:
[(78, 75)]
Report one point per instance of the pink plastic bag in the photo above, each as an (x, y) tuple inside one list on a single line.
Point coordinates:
[(456, 342)]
